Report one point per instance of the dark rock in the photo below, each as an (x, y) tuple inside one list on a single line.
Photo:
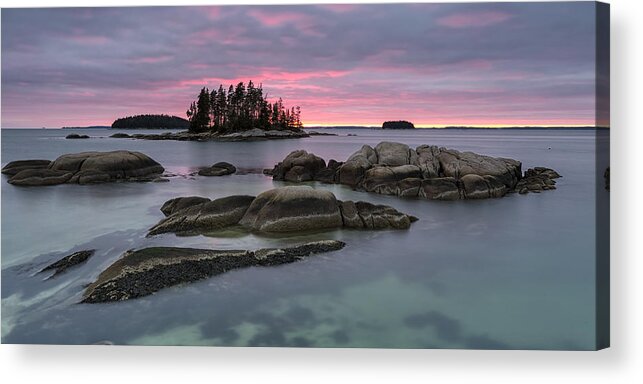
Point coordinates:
[(67, 262), (280, 210), (329, 174), (292, 209), (537, 179), (219, 169), (145, 271), (206, 216), (88, 168), (298, 166), (76, 136), (16, 166), (39, 176), (370, 216), (121, 136), (606, 176), (441, 188), (179, 203)]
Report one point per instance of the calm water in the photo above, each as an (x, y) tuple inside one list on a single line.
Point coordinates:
[(516, 272)]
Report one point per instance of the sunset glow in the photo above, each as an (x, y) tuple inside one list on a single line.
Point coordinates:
[(485, 64)]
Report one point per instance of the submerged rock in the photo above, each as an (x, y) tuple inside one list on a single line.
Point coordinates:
[(219, 169), (145, 271), (429, 172), (67, 262), (280, 210), (86, 168), (76, 136)]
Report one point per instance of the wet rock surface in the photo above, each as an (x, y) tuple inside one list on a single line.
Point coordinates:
[(280, 210), (145, 271), (67, 262), (84, 168), (429, 172)]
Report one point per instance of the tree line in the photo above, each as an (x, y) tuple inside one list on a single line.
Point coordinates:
[(151, 121), (238, 109)]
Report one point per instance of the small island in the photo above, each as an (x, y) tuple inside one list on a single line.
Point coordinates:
[(399, 124), (151, 122)]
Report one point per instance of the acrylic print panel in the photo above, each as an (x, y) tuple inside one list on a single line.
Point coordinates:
[(383, 176)]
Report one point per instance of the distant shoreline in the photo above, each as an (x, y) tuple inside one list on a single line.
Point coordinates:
[(586, 128)]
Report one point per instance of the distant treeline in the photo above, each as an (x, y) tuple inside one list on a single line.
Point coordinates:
[(151, 121), (399, 124), (240, 108)]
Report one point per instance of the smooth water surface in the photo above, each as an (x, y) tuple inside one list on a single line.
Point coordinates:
[(516, 272)]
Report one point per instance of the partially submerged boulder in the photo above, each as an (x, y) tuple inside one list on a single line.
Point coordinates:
[(69, 261), (536, 180), (85, 168), (219, 169), (428, 171), (76, 136), (280, 210), (145, 271)]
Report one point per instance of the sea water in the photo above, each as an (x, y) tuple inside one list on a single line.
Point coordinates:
[(515, 272)]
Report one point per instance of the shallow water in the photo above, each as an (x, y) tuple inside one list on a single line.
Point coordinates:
[(516, 272)]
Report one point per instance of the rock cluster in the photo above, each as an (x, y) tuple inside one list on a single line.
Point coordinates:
[(429, 172), (84, 168), (255, 134), (145, 271), (536, 180), (280, 210)]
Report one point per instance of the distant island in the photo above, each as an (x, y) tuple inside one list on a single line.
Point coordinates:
[(151, 122), (399, 124)]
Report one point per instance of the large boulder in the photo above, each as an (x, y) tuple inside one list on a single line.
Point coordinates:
[(291, 209), (393, 154), (298, 166), (364, 215), (219, 169), (427, 160), (205, 216), (117, 164), (84, 168), (441, 188), (145, 271), (20, 165), (174, 205), (384, 180), (352, 171)]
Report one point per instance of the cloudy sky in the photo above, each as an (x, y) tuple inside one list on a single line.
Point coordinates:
[(433, 64)]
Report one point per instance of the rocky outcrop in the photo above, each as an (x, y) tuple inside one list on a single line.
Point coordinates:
[(536, 180), (298, 166), (427, 171), (76, 136), (219, 169), (606, 176), (67, 262), (85, 168), (20, 165), (145, 271), (255, 134), (280, 210)]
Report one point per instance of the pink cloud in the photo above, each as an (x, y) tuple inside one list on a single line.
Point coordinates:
[(474, 19), (152, 59), (303, 22)]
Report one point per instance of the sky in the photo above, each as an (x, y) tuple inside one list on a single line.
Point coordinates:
[(478, 64)]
